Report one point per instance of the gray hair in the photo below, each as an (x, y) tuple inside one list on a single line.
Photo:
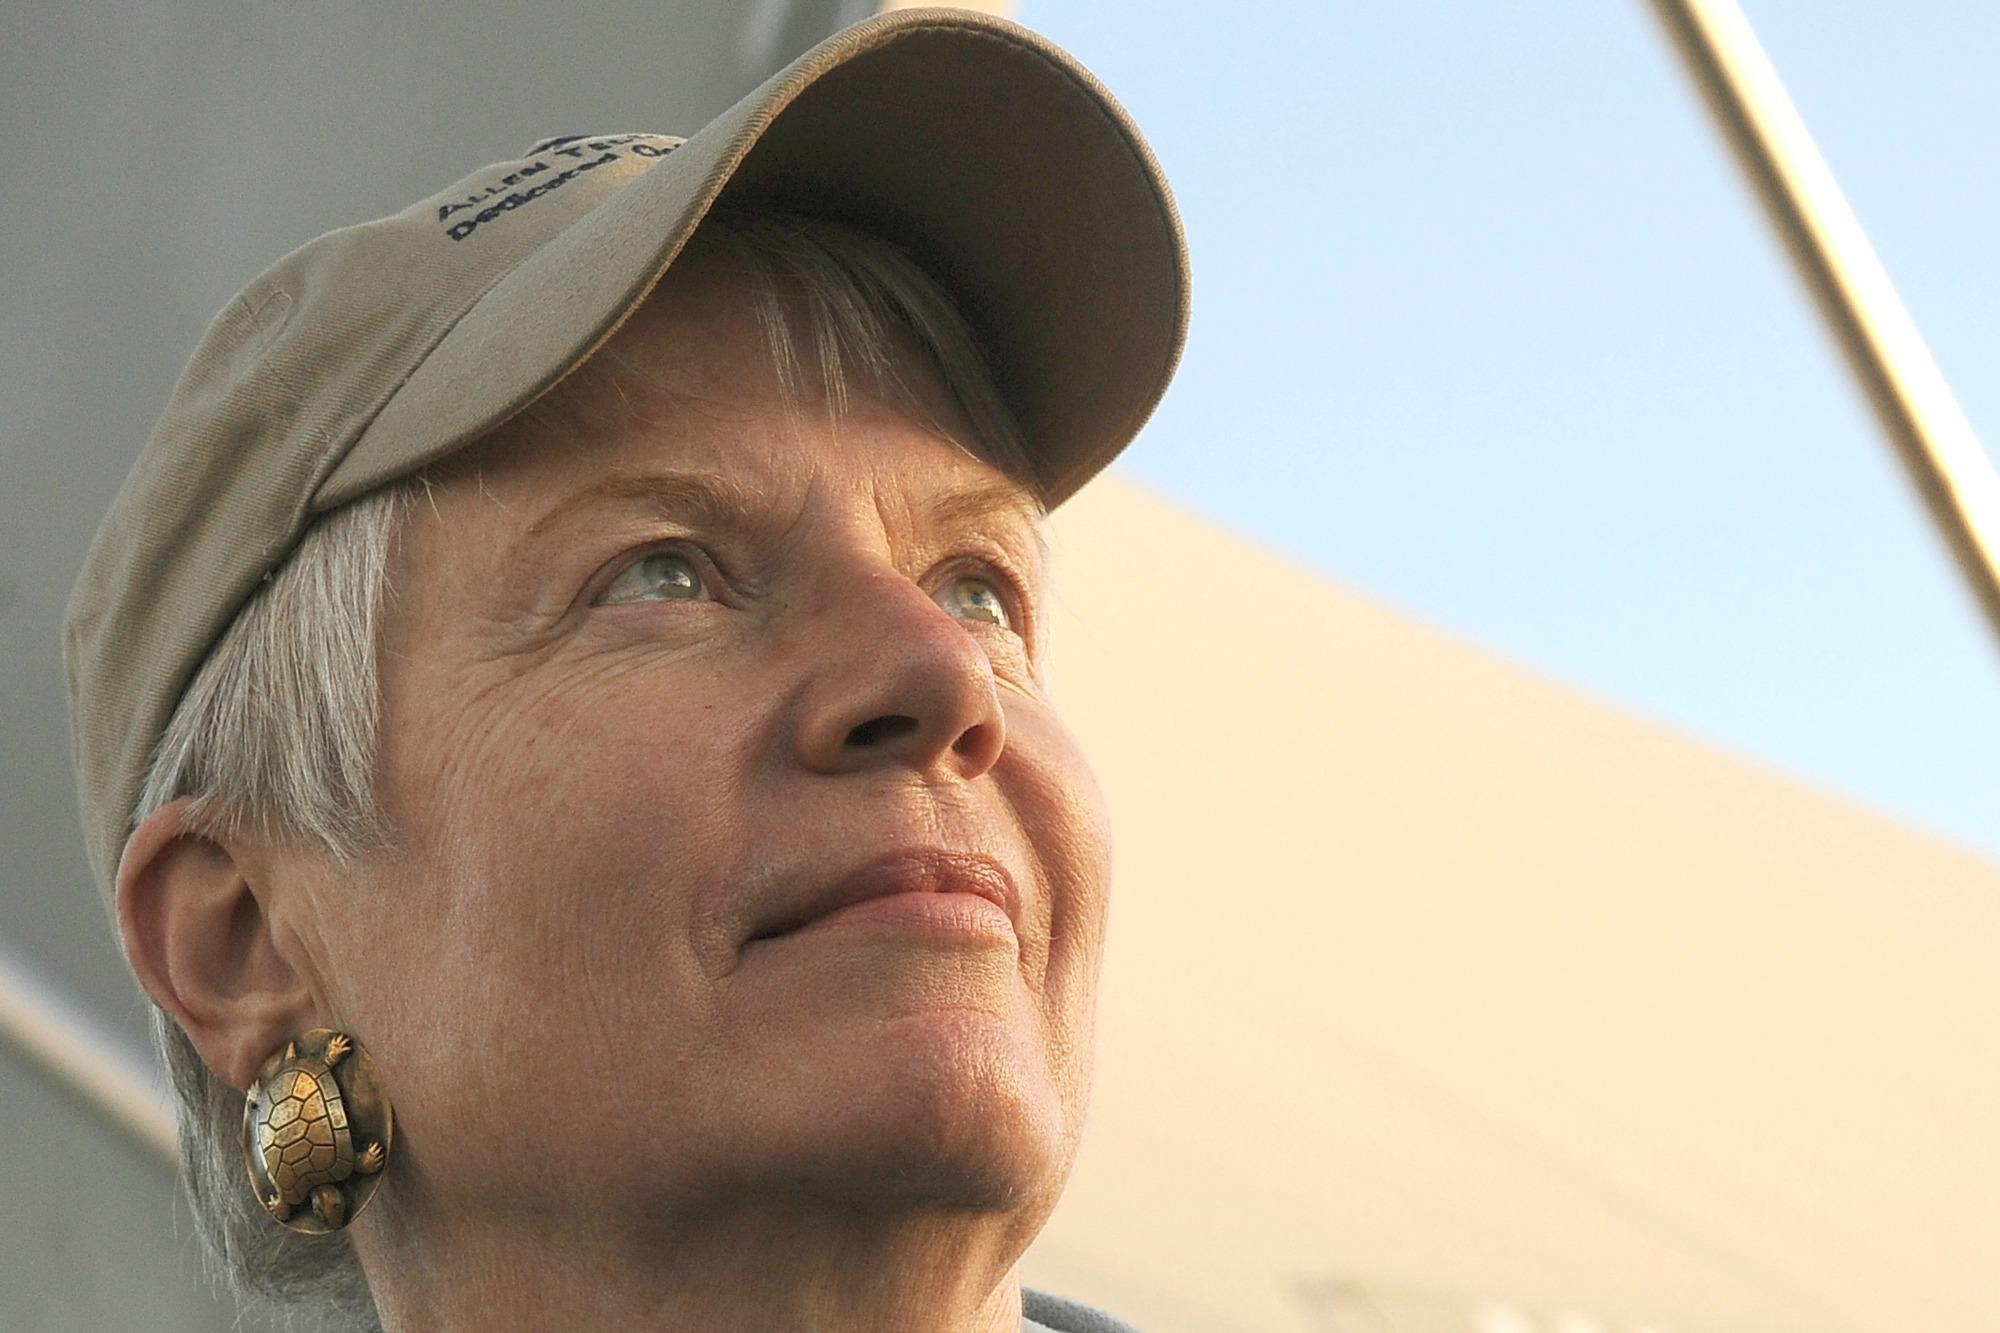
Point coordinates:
[(277, 730)]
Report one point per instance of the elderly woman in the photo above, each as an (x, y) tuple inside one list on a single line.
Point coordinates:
[(561, 713)]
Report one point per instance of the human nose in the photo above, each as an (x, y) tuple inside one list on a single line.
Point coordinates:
[(897, 682)]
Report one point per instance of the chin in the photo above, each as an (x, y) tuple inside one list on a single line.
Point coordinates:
[(950, 1106)]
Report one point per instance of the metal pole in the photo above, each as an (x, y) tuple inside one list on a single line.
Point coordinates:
[(40, 1025), (1911, 398)]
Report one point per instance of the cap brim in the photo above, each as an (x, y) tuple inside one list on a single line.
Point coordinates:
[(1004, 168)]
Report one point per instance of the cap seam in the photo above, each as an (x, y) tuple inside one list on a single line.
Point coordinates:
[(336, 457)]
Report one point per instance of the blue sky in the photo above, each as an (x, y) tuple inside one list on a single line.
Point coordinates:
[(1488, 329)]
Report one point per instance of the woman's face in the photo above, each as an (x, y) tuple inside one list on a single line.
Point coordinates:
[(624, 738)]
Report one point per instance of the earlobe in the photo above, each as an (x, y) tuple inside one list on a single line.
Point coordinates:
[(198, 936)]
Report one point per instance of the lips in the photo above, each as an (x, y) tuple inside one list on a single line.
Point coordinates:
[(913, 870)]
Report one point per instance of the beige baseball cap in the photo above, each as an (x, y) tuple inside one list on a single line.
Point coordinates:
[(995, 159)]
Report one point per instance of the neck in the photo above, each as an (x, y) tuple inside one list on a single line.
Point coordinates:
[(790, 1267)]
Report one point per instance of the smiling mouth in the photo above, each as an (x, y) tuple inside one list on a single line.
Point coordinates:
[(933, 891), (938, 918)]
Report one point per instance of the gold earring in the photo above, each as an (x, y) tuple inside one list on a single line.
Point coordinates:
[(316, 1127)]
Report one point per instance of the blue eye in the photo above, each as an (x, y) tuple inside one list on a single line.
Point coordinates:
[(663, 576), (989, 605), (672, 576)]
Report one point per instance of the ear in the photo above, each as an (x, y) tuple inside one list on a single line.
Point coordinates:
[(196, 929)]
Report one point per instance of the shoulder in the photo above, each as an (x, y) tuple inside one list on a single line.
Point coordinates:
[(1042, 1312)]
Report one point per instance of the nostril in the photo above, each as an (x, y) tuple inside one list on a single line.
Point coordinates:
[(882, 728)]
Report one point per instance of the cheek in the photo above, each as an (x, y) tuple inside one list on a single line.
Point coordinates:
[(566, 828), (1067, 822), (552, 854)]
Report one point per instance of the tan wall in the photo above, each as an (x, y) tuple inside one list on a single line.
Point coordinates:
[(1435, 976)]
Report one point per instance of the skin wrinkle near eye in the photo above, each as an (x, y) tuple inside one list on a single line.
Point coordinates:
[(990, 571), (535, 633), (998, 511), (1016, 643)]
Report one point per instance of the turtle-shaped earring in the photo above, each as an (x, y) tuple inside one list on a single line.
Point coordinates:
[(305, 1112)]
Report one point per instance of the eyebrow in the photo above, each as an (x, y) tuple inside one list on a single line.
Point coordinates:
[(715, 500)]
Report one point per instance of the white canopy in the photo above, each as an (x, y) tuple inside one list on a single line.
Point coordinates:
[(1439, 997)]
